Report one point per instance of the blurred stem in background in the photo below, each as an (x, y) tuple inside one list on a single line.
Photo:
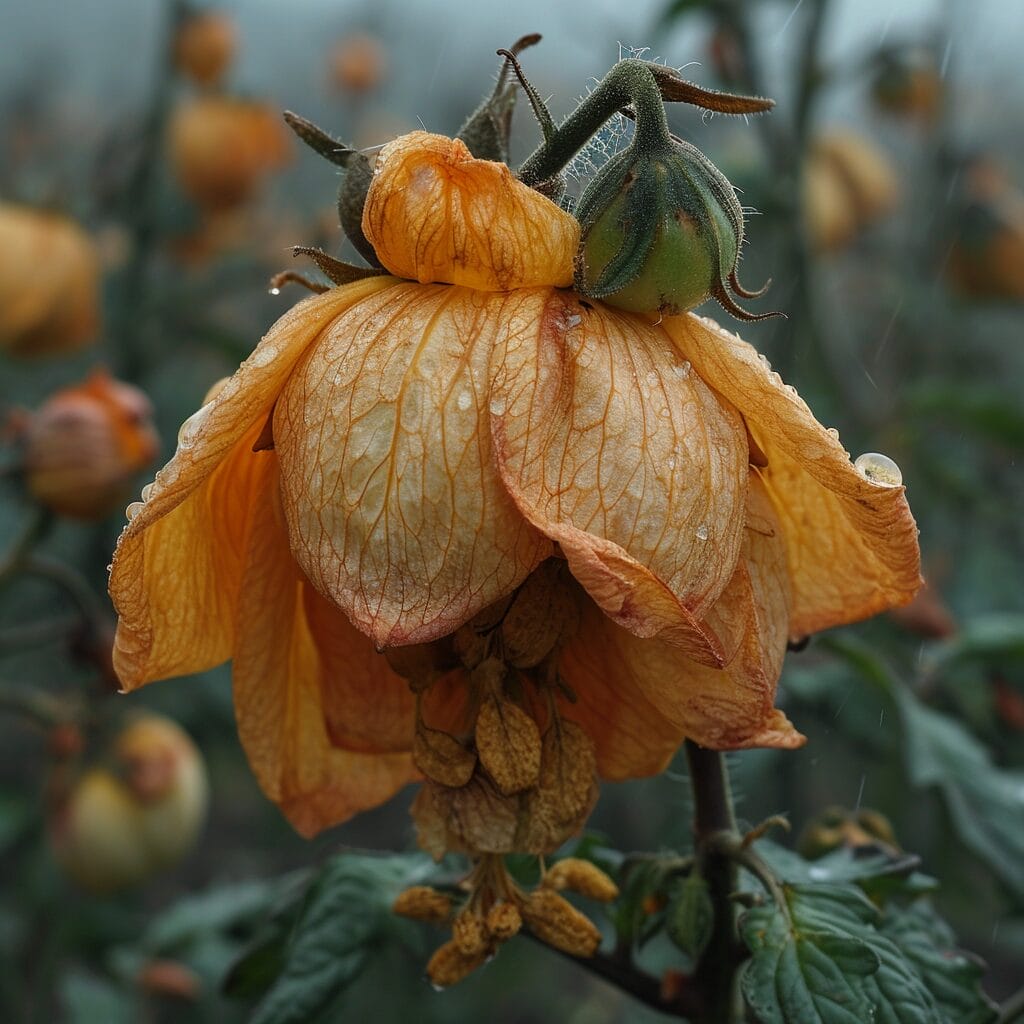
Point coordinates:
[(140, 207)]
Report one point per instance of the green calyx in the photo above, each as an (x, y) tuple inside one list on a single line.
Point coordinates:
[(662, 232), (661, 227), (354, 186)]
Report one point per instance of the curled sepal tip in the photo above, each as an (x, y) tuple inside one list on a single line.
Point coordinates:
[(486, 131), (678, 90)]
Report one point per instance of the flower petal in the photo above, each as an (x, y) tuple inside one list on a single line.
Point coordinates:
[(723, 709), (177, 568), (851, 543), (367, 707), (614, 449), (434, 213), (395, 510), (279, 705)]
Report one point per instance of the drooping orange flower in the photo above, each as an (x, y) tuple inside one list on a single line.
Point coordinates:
[(410, 454)]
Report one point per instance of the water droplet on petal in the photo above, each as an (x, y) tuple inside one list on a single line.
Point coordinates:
[(702, 532), (275, 291), (497, 406), (133, 510), (763, 360), (682, 370), (791, 390), (833, 433), (573, 321), (879, 469), (147, 491), (190, 428), (464, 401)]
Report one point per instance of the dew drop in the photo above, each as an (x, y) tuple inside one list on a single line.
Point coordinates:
[(191, 427), (147, 491), (763, 360), (665, 412), (275, 291), (833, 433), (791, 390), (574, 320), (879, 469), (702, 532), (497, 406), (682, 370), (133, 510), (464, 401), (671, 462)]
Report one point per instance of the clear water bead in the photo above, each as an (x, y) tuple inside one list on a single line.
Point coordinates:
[(879, 469), (465, 400), (275, 291), (497, 406), (702, 532), (833, 433), (682, 369)]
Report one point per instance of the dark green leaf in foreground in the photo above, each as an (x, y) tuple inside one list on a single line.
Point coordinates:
[(821, 959), (690, 916), (347, 911), (985, 803), (951, 976)]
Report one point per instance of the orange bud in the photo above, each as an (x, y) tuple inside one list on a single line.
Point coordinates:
[(358, 63), (557, 922), (85, 444), (583, 877), (205, 46), (222, 148), (170, 979), (49, 283), (504, 921)]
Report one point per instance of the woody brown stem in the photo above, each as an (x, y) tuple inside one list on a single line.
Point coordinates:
[(714, 980)]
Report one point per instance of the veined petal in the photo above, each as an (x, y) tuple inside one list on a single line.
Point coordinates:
[(278, 678), (851, 543), (434, 213), (633, 739), (367, 707), (723, 709), (614, 449), (395, 510), (177, 568)]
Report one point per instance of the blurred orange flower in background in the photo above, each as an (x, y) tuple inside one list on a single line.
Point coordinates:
[(84, 446), (404, 462), (222, 148), (49, 283)]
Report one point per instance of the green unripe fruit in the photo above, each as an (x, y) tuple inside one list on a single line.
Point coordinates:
[(662, 231)]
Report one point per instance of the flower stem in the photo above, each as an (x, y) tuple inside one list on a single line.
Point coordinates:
[(715, 976)]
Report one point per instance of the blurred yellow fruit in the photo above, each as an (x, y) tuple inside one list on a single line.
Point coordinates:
[(205, 46), (848, 184), (85, 444), (222, 148), (49, 283), (125, 822), (358, 63)]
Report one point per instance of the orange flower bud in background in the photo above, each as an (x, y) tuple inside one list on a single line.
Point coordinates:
[(136, 813), (223, 148), (986, 260), (358, 63), (49, 283), (205, 46), (907, 83), (848, 184), (85, 444)]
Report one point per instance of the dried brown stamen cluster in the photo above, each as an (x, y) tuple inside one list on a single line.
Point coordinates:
[(520, 778), (496, 909)]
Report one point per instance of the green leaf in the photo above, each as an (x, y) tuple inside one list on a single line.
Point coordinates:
[(821, 959), (690, 916), (985, 803), (987, 637), (951, 976), (347, 911), (846, 864)]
